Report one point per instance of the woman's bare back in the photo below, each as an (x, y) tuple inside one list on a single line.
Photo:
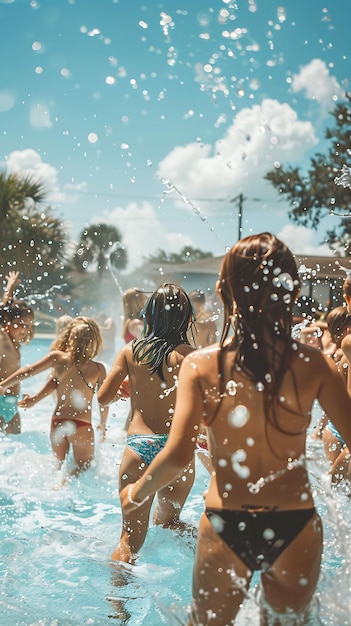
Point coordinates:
[(255, 462)]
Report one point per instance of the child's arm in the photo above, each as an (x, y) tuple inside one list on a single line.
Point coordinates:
[(13, 280), (104, 410), (28, 401), (50, 360), (110, 389)]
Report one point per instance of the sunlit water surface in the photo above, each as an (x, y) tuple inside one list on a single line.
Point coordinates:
[(56, 543)]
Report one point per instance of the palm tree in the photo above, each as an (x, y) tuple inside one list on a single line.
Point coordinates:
[(32, 240), (100, 244), (15, 192)]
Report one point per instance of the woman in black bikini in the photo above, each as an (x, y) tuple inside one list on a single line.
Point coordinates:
[(74, 377), (255, 392)]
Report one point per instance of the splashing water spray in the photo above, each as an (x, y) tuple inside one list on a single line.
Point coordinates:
[(345, 179), (116, 246)]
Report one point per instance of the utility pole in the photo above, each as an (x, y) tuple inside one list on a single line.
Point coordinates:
[(240, 201)]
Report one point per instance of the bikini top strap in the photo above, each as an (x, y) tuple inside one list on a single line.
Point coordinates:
[(88, 383)]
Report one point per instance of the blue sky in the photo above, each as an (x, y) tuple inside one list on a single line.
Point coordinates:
[(153, 116)]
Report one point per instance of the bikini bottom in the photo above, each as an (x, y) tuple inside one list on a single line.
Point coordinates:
[(147, 446), (258, 537), (67, 426), (8, 407)]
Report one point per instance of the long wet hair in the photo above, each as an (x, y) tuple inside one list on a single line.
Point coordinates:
[(81, 338), (167, 315), (259, 283)]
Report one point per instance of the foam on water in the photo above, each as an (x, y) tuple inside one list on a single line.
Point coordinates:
[(56, 544)]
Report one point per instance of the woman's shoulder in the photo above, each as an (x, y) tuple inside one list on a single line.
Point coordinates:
[(207, 356), (308, 358)]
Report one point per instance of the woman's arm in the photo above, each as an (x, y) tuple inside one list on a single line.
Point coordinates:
[(179, 449), (50, 360), (108, 391)]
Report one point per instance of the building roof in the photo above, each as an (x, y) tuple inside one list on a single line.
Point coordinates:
[(326, 267)]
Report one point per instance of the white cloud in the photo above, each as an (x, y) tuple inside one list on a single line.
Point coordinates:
[(300, 241), (28, 163), (318, 84), (259, 137), (143, 234)]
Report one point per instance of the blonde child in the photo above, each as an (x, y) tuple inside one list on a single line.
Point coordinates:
[(16, 328), (76, 377), (254, 391), (133, 302)]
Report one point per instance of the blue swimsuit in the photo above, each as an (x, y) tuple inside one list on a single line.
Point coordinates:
[(147, 446), (335, 432), (8, 407)]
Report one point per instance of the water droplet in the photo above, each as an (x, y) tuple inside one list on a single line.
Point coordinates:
[(231, 387), (268, 534), (239, 417)]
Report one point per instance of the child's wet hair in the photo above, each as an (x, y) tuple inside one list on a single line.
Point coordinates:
[(338, 320), (81, 338), (168, 311), (14, 310), (167, 315)]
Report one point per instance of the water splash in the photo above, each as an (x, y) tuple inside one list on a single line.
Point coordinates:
[(116, 246), (264, 480), (345, 179), (347, 270), (46, 295)]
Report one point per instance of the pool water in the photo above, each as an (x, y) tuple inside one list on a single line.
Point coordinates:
[(56, 543)]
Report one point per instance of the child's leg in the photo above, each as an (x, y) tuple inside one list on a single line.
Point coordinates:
[(83, 446), (59, 444), (171, 499), (13, 427), (332, 445), (135, 524), (340, 467)]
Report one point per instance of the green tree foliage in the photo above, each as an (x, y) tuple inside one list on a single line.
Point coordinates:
[(314, 195), (33, 240), (100, 244), (188, 253)]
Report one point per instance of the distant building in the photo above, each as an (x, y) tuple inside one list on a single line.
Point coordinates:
[(321, 276)]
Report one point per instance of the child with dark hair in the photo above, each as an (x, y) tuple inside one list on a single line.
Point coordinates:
[(254, 391), (16, 328), (152, 365)]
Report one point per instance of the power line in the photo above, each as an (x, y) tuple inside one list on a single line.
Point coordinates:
[(156, 197)]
